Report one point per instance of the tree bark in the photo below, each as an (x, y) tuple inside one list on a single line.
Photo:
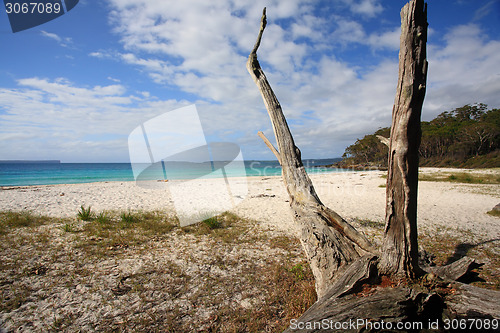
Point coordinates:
[(400, 248), (360, 299), (330, 243), (366, 311), (351, 279)]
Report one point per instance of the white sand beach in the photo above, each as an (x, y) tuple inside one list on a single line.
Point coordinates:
[(69, 276), (354, 195)]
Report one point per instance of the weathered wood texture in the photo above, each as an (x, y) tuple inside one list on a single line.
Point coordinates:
[(358, 297), (400, 247), (330, 243), (400, 304), (270, 145), (384, 140), (456, 270), (473, 302), (350, 277)]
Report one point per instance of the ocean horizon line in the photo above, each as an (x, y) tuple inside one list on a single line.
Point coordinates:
[(43, 173), (179, 161)]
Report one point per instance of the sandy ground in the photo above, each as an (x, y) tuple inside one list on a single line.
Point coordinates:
[(354, 195), (185, 280)]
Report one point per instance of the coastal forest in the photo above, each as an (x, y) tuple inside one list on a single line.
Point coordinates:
[(468, 136)]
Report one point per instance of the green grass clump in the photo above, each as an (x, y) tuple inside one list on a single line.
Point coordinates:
[(103, 218), (110, 231), (85, 214), (212, 223), (226, 227), (128, 217), (9, 220), (68, 227), (461, 177), (370, 223), (494, 212), (299, 271)]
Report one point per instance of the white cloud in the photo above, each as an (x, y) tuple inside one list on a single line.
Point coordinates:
[(62, 91), (369, 8), (99, 54), (349, 31), (62, 121), (201, 47), (51, 36), (486, 9), (388, 39), (63, 41), (464, 70)]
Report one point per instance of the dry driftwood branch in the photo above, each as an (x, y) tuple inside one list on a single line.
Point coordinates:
[(400, 246), (384, 140), (358, 296), (468, 301), (456, 270), (329, 241), (270, 145)]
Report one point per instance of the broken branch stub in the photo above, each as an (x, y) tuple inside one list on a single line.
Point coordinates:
[(270, 145)]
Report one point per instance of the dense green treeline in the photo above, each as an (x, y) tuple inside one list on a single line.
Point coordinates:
[(468, 136)]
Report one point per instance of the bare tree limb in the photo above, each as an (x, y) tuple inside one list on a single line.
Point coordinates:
[(384, 140), (330, 243), (270, 145)]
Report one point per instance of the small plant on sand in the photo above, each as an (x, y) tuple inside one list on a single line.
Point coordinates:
[(22, 219), (128, 217), (85, 214), (102, 218), (212, 223), (369, 223), (298, 271), (494, 212), (461, 177), (68, 227)]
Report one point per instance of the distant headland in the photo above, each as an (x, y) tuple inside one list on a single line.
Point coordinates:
[(29, 161)]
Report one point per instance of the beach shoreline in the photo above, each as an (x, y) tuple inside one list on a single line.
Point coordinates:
[(112, 274), (354, 195)]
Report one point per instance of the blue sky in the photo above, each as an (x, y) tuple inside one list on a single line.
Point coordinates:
[(74, 88)]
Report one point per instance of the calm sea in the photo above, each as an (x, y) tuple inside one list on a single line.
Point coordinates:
[(23, 174)]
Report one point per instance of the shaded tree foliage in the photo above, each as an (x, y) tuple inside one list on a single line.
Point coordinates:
[(453, 138)]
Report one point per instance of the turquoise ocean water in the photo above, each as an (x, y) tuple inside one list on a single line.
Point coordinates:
[(35, 173)]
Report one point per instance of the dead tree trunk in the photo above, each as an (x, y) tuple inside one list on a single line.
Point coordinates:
[(400, 247), (330, 243), (348, 283)]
